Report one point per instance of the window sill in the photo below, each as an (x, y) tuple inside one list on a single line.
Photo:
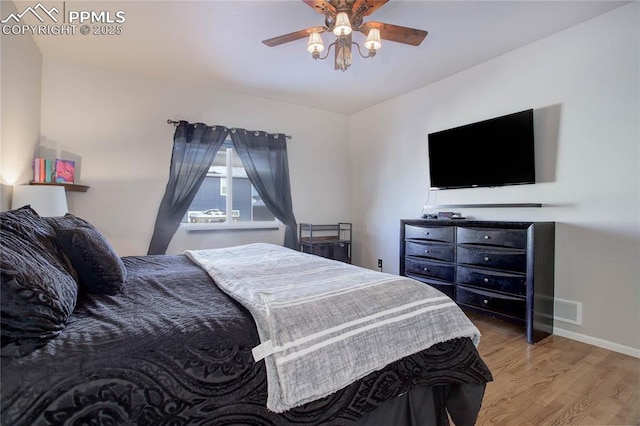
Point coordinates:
[(199, 227)]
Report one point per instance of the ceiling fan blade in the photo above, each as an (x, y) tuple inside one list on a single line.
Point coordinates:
[(297, 35), (322, 6), (395, 33), (367, 7)]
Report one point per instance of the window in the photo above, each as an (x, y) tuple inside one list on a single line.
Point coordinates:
[(226, 188)]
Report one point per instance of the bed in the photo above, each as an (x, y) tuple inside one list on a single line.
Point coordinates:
[(92, 338)]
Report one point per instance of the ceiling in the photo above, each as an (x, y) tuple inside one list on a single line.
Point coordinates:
[(218, 43)]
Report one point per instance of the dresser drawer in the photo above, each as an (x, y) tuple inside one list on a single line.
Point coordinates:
[(432, 233), (511, 306), (446, 287), (510, 260), (492, 280), (430, 250), (513, 238), (443, 271)]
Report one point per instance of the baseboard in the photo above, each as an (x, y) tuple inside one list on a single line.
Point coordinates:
[(605, 344)]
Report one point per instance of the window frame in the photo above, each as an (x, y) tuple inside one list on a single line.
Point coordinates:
[(229, 224)]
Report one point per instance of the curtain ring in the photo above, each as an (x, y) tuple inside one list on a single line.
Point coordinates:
[(276, 136), (257, 133)]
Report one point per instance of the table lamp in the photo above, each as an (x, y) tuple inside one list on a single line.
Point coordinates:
[(47, 201)]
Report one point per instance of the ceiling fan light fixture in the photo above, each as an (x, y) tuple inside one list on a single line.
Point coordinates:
[(342, 26), (373, 41), (315, 46), (343, 18)]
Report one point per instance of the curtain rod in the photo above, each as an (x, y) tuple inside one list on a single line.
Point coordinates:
[(175, 123)]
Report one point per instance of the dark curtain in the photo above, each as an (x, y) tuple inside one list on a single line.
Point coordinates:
[(194, 148), (264, 157)]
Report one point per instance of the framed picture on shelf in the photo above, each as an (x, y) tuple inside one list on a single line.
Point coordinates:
[(65, 171)]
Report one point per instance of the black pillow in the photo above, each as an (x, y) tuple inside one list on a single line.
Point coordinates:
[(38, 292), (100, 269)]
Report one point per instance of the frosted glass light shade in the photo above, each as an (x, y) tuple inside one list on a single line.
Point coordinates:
[(373, 39), (46, 200), (342, 27), (315, 43)]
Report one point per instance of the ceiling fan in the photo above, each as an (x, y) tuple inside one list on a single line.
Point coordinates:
[(343, 17)]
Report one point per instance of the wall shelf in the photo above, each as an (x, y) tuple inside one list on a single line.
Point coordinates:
[(474, 206), (67, 186)]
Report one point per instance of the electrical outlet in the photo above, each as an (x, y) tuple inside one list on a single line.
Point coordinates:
[(379, 263)]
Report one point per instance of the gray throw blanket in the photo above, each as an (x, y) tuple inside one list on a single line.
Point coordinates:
[(324, 324)]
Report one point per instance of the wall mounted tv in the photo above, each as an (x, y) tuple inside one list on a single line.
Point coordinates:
[(494, 152)]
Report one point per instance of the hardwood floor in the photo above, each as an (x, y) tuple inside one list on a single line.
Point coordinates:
[(557, 381)]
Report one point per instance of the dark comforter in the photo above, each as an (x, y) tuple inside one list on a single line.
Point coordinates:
[(173, 349)]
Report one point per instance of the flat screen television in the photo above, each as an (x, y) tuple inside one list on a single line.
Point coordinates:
[(494, 152)]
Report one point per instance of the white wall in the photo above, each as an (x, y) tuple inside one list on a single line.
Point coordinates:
[(583, 86), (21, 78), (115, 125)]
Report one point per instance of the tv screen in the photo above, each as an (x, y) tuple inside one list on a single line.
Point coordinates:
[(494, 152)]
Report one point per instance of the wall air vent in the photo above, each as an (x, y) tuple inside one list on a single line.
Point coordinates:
[(568, 311)]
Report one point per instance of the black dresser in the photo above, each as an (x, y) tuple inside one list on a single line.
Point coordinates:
[(502, 269)]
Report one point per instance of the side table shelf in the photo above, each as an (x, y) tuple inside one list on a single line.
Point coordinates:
[(330, 241), (67, 186)]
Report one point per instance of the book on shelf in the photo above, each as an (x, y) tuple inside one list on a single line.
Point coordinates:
[(48, 170), (36, 169), (40, 170), (53, 170)]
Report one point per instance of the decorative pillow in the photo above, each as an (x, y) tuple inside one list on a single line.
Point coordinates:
[(100, 269), (38, 292)]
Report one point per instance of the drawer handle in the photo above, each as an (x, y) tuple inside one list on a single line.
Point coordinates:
[(426, 233), (426, 251), (485, 301), (425, 269), (486, 280), (486, 237), (486, 258)]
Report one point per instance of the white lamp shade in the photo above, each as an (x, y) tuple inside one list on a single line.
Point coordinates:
[(373, 39), (342, 27), (315, 43), (46, 200)]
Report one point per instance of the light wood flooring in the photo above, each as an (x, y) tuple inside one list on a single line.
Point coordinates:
[(557, 381)]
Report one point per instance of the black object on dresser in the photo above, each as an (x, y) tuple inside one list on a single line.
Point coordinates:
[(332, 241), (502, 269)]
